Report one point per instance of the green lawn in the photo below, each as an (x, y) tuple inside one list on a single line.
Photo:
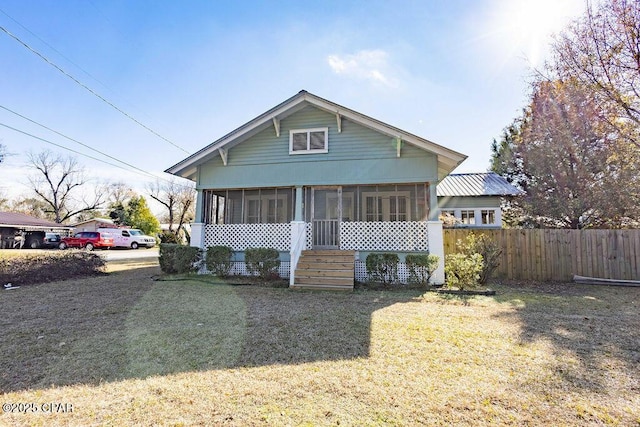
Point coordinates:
[(125, 349)]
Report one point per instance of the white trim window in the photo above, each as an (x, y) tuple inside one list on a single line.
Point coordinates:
[(309, 141), (488, 216), (468, 217)]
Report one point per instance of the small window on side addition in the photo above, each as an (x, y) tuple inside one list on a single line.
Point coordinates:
[(468, 217), (488, 216), (309, 141)]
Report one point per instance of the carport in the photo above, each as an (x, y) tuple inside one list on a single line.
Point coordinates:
[(19, 230)]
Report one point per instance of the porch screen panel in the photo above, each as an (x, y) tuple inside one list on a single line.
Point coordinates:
[(208, 207), (213, 206), (233, 207), (349, 204)]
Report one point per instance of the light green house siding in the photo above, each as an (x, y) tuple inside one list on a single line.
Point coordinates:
[(462, 202), (357, 155)]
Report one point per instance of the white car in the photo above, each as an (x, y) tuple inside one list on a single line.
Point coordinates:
[(129, 238)]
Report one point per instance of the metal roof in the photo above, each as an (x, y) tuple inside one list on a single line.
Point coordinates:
[(18, 220), (476, 184)]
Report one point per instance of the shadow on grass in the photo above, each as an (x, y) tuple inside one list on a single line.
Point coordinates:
[(127, 325), (589, 328)]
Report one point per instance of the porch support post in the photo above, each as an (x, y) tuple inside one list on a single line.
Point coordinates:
[(197, 234), (298, 236), (436, 247), (199, 201), (298, 212), (434, 212)]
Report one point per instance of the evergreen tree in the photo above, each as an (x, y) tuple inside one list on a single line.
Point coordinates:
[(139, 216)]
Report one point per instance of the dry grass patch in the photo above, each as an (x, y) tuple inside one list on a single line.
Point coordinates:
[(193, 353)]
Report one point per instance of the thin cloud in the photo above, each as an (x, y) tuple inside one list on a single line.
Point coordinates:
[(371, 65)]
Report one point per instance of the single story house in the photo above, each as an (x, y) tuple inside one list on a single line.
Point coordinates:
[(93, 224), (324, 185), (474, 200), (18, 230)]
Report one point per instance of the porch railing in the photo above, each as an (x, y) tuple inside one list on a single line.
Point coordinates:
[(402, 236), (242, 236), (325, 233)]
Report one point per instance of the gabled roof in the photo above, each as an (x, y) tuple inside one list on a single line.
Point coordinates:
[(476, 184), (18, 220), (448, 159)]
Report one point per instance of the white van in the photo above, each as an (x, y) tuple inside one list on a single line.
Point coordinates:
[(129, 238)]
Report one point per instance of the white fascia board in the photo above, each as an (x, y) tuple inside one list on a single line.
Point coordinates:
[(238, 135), (385, 129), (446, 157)]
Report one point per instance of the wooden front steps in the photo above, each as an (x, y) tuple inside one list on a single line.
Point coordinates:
[(325, 269)]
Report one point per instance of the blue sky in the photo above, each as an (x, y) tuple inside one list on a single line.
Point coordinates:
[(454, 72)]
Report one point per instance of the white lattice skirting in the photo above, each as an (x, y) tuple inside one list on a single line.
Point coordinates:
[(242, 236), (384, 236), (361, 274), (239, 268)]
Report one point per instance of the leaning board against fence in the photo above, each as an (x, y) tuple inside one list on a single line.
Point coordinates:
[(551, 254)]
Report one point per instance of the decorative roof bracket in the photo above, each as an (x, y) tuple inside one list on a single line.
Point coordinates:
[(276, 125), (223, 155)]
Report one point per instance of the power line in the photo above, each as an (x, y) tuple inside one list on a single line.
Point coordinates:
[(136, 170), (54, 49), (63, 147), (89, 89), (76, 141)]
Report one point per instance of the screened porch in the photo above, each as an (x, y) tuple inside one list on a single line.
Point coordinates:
[(359, 217)]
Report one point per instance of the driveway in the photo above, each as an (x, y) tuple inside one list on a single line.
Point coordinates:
[(108, 255), (126, 254)]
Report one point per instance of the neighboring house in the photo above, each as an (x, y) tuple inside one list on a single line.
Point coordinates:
[(310, 174), (475, 199), (18, 229), (93, 224)]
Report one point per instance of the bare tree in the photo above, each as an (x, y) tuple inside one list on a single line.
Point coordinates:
[(178, 199), (120, 193), (58, 183), (601, 51)]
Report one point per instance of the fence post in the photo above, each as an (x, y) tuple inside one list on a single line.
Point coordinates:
[(436, 247)]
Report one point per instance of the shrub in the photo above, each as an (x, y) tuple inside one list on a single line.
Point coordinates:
[(463, 271), (169, 237), (263, 262), (383, 267), (218, 260), (421, 267), (489, 249), (42, 268), (179, 258)]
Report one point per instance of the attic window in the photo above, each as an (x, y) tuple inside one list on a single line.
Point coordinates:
[(309, 141)]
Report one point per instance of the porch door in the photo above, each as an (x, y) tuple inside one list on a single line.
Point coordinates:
[(326, 213)]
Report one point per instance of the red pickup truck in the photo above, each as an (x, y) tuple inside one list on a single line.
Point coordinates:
[(87, 239)]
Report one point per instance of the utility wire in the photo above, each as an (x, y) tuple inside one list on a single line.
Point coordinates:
[(77, 142), (54, 49), (136, 169), (63, 147), (89, 89)]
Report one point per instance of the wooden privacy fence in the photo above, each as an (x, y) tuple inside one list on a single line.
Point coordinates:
[(559, 254)]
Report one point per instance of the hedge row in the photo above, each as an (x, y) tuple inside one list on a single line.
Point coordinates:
[(178, 259)]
